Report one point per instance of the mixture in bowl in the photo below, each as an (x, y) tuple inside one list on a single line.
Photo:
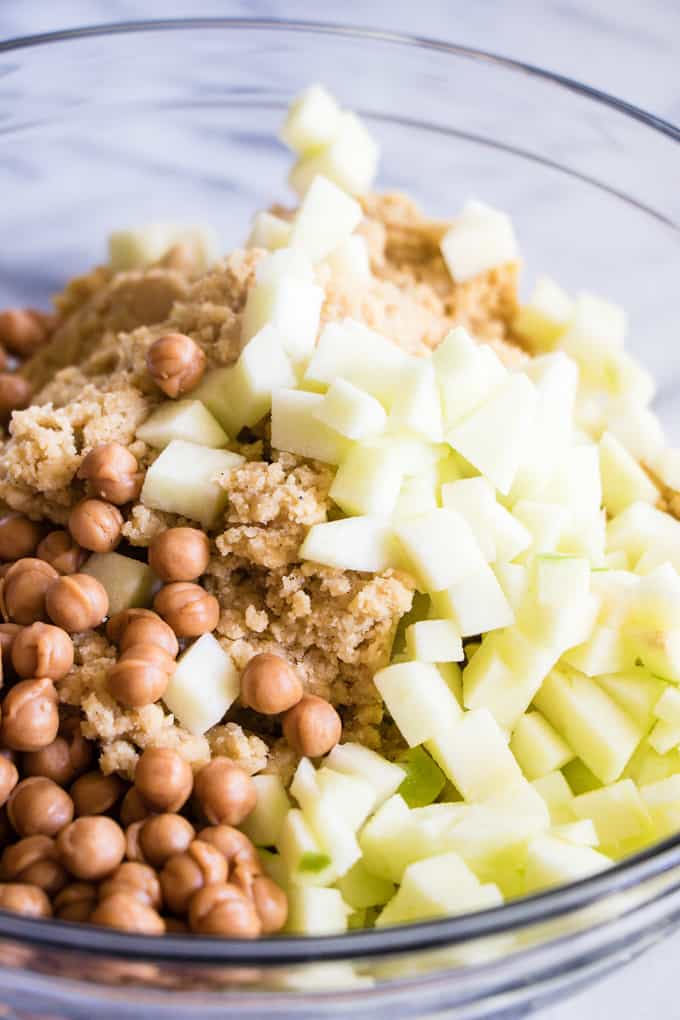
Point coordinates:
[(340, 589)]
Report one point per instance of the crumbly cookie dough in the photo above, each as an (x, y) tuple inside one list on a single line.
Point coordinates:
[(92, 387)]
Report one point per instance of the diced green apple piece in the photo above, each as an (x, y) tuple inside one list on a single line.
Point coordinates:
[(558, 796), (351, 797), (623, 480), (581, 833), (312, 121), (350, 260), (538, 747), (204, 686), (596, 323), (306, 861), (665, 736), (189, 420), (389, 840), (268, 231), (292, 307), (510, 536), (636, 427), (434, 641), (368, 481), (183, 480), (560, 578), (544, 318), (465, 390), (546, 523), (424, 779), (356, 760), (495, 437), (326, 217), (617, 811), (603, 652), (638, 693), (361, 889), (136, 249), (440, 547), (475, 499), (474, 755), (480, 239), (591, 722), (416, 407), (297, 429), (334, 833), (350, 160), (417, 495), (349, 350), (128, 582), (551, 861), (418, 699), (514, 580), (355, 543), (504, 675), (263, 824), (476, 604), (316, 911), (350, 411), (438, 886), (668, 706)]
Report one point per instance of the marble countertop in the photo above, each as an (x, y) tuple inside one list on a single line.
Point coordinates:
[(628, 49)]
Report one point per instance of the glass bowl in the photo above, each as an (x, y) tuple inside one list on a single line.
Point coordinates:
[(109, 127)]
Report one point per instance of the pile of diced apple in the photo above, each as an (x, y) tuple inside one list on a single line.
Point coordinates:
[(536, 686)]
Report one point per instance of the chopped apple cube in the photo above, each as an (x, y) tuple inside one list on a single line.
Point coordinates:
[(351, 260), (440, 547), (591, 723), (476, 604), (581, 833), (664, 737), (617, 811), (128, 582), (623, 480), (437, 887), (264, 823), (424, 779), (269, 231), (495, 437), (351, 411), (356, 543), (514, 580), (361, 889), (327, 216), (388, 838), (636, 427), (546, 522), (638, 693), (557, 794), (136, 249), (544, 318), (418, 699), (474, 755), (416, 407), (416, 496), (480, 239), (668, 706), (350, 160), (204, 686), (434, 641), (552, 861), (292, 307), (351, 797), (538, 747), (315, 911), (465, 390), (356, 760), (510, 536), (182, 419), (596, 323), (475, 499), (349, 350), (297, 429), (603, 652), (368, 481), (504, 674), (560, 578), (312, 121), (306, 861), (182, 480)]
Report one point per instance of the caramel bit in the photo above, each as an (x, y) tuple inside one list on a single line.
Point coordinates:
[(24, 590), (312, 727), (187, 608), (225, 792), (222, 909), (175, 363), (90, 848), (19, 537), (15, 394), (179, 554), (270, 685), (24, 330), (30, 716), (163, 779), (28, 900), (77, 602), (38, 807), (137, 682), (96, 525), (42, 650), (112, 473), (61, 551)]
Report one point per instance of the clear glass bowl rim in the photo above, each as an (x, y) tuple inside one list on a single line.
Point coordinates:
[(427, 935)]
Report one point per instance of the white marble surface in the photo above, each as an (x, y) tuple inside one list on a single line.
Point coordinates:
[(627, 48)]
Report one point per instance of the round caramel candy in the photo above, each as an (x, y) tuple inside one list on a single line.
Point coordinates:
[(15, 394), (77, 602), (163, 779), (179, 554), (64, 759), (149, 630), (225, 792), (91, 848), (38, 807), (9, 777), (163, 836), (184, 874), (112, 473), (123, 910), (94, 793), (117, 623), (61, 552), (175, 363), (137, 682), (8, 633), (23, 330), (28, 900), (75, 902), (33, 860), (42, 649), (270, 685), (24, 590), (19, 537), (96, 525), (188, 608), (30, 715), (135, 879), (312, 727), (222, 909), (271, 904)]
